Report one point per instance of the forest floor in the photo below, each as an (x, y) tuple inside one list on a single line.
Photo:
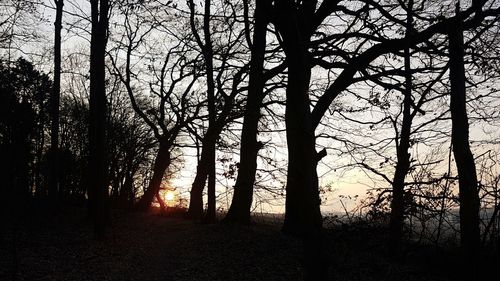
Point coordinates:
[(153, 247)]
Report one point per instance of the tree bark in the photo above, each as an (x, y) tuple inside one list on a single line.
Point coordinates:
[(208, 55), (302, 205), (162, 161), (403, 157), (467, 178), (239, 212), (56, 93), (203, 169), (206, 166), (302, 196), (98, 185)]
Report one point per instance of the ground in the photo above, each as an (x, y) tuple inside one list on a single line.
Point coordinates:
[(153, 247)]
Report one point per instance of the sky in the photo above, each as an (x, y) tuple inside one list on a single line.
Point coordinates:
[(345, 183)]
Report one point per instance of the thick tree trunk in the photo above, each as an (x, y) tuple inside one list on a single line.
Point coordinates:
[(203, 169), (239, 212), (98, 185), (162, 161), (467, 178), (403, 157), (196, 195), (54, 114), (302, 213)]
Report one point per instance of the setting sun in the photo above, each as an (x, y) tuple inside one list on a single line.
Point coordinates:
[(169, 195)]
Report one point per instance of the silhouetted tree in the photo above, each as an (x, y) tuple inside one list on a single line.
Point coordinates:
[(467, 178), (55, 97), (296, 23), (22, 89), (402, 145), (73, 150), (418, 194), (131, 144), (307, 17), (221, 94), (239, 212), (206, 165), (97, 170), (172, 87)]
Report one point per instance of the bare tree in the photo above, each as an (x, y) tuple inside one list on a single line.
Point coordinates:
[(17, 19), (98, 184), (220, 49), (239, 212), (172, 86), (55, 97), (467, 177), (402, 145)]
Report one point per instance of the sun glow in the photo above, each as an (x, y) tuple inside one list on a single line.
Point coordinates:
[(169, 195)]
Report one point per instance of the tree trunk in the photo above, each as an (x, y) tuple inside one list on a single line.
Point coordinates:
[(202, 172), (467, 178), (162, 161), (195, 211), (210, 145), (302, 206), (98, 185), (403, 157), (397, 204), (239, 212), (54, 133), (206, 165), (211, 208), (302, 196)]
